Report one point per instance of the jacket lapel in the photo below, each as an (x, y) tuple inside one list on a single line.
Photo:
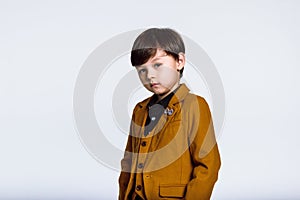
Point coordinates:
[(161, 125), (167, 117)]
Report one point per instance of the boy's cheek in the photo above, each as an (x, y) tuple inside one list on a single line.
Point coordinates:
[(143, 79), (167, 72)]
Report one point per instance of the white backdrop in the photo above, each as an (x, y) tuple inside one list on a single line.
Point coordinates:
[(254, 45)]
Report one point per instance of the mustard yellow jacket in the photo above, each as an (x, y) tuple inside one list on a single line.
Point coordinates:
[(182, 161)]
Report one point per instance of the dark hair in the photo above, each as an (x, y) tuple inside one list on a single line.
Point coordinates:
[(147, 43)]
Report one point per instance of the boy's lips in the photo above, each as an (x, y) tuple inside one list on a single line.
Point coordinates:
[(154, 84)]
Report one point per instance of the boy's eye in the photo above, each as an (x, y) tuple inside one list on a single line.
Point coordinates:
[(156, 65), (141, 71)]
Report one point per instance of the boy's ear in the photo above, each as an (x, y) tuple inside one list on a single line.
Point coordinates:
[(181, 61)]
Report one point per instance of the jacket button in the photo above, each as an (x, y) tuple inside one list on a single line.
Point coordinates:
[(140, 165), (138, 187), (144, 143)]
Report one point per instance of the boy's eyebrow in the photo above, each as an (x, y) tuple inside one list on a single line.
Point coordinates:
[(155, 59)]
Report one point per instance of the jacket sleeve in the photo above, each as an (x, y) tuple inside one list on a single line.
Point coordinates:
[(204, 152), (125, 169), (126, 163)]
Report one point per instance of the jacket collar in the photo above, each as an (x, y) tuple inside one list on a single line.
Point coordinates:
[(179, 95)]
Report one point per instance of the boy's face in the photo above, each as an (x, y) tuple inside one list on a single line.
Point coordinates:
[(160, 74)]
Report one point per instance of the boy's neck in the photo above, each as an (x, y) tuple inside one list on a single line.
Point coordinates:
[(162, 96)]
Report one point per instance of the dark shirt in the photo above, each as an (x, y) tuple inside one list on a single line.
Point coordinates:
[(155, 111)]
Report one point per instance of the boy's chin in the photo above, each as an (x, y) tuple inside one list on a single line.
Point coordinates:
[(158, 91), (160, 94)]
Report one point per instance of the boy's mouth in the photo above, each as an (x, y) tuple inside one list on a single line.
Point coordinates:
[(154, 84)]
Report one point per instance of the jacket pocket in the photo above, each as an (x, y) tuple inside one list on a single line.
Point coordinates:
[(172, 191)]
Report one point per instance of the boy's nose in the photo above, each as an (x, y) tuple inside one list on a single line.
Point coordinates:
[(150, 74)]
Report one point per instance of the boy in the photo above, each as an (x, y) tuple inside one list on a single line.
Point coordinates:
[(171, 151)]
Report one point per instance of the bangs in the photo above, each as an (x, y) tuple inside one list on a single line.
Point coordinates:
[(141, 56)]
